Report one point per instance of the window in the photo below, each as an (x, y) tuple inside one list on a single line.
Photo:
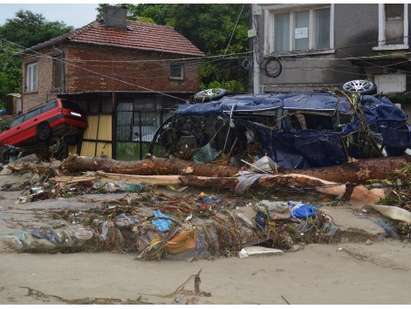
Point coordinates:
[(49, 106), (322, 21), (58, 73), (32, 114), (31, 77), (282, 32), (301, 30), (17, 121), (392, 26), (177, 71)]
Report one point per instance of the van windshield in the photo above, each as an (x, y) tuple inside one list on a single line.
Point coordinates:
[(71, 105)]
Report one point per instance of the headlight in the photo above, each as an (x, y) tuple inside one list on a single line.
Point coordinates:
[(75, 114)]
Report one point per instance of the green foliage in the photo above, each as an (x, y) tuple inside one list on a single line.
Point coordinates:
[(25, 29), (209, 27)]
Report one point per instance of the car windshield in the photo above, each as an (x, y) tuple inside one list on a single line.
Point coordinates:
[(71, 105)]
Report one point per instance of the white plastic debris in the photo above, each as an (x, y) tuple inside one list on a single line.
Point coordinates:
[(257, 250), (393, 212)]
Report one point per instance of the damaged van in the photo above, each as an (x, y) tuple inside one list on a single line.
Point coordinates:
[(296, 130)]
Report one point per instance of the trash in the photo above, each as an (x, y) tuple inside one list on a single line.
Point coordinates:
[(393, 212), (82, 233), (257, 250), (122, 220), (205, 154), (301, 210), (265, 164), (261, 220), (276, 206), (46, 233), (184, 241), (163, 222)]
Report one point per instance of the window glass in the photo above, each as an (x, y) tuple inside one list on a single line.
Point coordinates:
[(394, 23), (31, 77), (32, 114), (58, 73), (176, 71), (17, 121), (322, 28), (394, 11), (301, 30), (282, 32), (48, 106)]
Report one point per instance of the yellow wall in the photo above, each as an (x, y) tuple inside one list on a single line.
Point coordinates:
[(104, 125)]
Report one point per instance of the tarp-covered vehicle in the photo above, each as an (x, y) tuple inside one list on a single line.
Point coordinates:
[(296, 130)]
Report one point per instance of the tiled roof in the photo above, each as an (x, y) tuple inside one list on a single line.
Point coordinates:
[(138, 35)]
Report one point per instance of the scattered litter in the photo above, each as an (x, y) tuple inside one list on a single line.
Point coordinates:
[(256, 250)]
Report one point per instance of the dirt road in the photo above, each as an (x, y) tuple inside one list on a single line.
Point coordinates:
[(377, 273)]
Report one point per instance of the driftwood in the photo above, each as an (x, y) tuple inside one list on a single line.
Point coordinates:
[(354, 172), (360, 170), (146, 167)]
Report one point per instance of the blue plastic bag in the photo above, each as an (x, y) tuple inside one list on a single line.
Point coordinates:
[(163, 223), (302, 210)]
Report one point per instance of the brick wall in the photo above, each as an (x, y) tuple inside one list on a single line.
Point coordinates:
[(152, 75), (45, 91)]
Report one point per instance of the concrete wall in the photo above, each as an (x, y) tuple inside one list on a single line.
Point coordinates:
[(354, 26)]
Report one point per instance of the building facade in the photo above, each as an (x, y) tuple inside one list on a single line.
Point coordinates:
[(126, 75), (324, 45)]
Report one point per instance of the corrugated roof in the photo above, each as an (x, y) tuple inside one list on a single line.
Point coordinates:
[(138, 35)]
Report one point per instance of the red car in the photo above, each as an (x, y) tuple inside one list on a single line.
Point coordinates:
[(45, 124)]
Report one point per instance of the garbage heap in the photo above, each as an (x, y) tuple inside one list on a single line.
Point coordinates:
[(156, 226)]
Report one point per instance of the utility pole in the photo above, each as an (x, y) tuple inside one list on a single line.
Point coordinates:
[(252, 35)]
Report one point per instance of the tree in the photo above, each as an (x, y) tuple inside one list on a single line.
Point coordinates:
[(25, 29), (209, 27)]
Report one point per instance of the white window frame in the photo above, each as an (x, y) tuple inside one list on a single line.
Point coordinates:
[(32, 77), (269, 18), (381, 30), (181, 76)]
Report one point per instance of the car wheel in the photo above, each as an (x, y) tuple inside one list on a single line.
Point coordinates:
[(43, 132), (361, 86)]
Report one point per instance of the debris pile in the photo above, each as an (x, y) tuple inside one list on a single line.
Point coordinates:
[(158, 225), (154, 224)]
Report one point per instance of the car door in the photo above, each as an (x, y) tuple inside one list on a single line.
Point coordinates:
[(10, 136)]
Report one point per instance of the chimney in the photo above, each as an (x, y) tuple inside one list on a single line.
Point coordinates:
[(115, 16)]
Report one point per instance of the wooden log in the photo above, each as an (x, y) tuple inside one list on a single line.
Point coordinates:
[(146, 167), (360, 170), (355, 172)]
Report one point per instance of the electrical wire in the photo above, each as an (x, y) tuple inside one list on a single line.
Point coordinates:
[(234, 29), (99, 74)]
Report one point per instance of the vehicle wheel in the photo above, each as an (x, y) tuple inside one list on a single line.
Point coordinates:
[(361, 86), (209, 95), (43, 132), (273, 67), (394, 151)]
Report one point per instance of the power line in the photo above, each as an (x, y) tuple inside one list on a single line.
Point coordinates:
[(97, 73), (234, 29)]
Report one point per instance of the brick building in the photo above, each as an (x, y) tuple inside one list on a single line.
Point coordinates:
[(126, 75)]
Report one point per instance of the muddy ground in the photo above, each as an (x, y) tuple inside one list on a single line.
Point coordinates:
[(354, 271)]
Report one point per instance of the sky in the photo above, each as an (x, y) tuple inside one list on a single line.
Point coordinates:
[(75, 15)]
